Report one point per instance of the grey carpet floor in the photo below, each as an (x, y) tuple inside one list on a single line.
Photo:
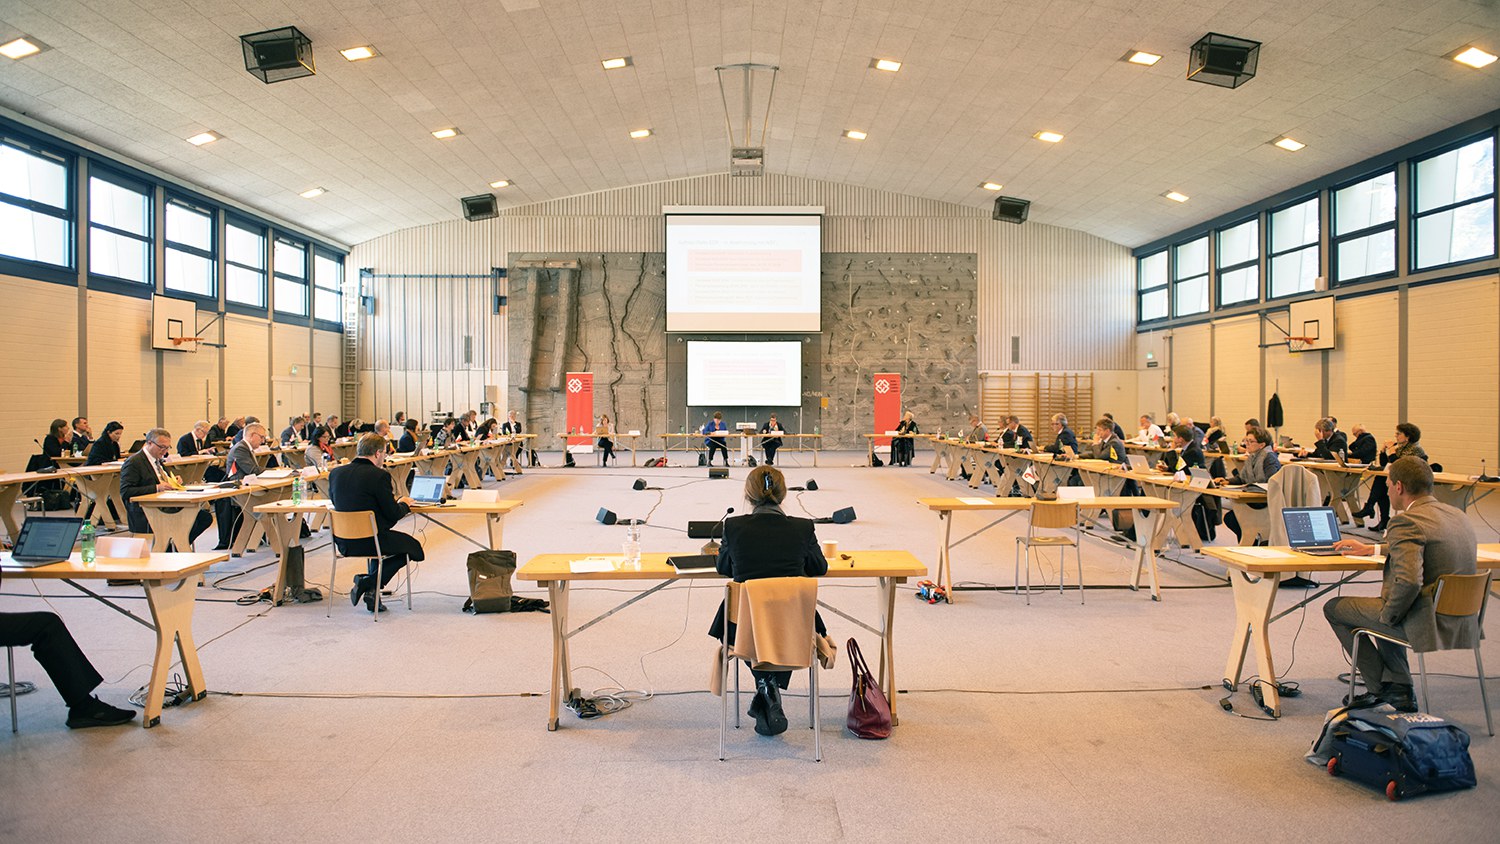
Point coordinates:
[(1053, 722)]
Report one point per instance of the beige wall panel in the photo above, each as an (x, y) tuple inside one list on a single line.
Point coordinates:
[(247, 383), (327, 369), (1298, 379), (121, 363), (38, 365), (365, 405), (291, 345), (1191, 348), (1362, 370), (1115, 391), (1237, 373), (190, 388), (1453, 359)]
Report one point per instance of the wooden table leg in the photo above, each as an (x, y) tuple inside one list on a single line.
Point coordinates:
[(496, 524), (172, 612), (1146, 529), (888, 644), (9, 495), (945, 554), (557, 591), (171, 528), (1253, 602), (284, 533)]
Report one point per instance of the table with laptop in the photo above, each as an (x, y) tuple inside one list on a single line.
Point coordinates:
[(44, 551), (558, 572)]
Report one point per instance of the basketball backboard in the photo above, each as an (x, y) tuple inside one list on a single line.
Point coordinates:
[(1312, 320), (172, 320)]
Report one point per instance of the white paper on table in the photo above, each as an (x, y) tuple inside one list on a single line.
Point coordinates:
[(976, 501), (1489, 555), (1262, 553), (591, 564), (176, 493)]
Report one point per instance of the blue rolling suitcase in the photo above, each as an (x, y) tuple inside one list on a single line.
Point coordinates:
[(1403, 753)]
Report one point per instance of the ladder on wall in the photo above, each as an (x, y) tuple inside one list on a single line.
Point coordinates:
[(349, 374)]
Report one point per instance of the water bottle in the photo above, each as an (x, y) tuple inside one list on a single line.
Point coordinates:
[(297, 490), (88, 543), (632, 545)]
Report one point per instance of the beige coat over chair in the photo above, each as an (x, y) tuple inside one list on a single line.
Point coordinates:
[(1293, 486), (775, 622)]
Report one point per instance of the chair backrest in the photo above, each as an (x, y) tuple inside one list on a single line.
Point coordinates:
[(775, 618), (356, 524), (1462, 595), (123, 547), (1054, 514)]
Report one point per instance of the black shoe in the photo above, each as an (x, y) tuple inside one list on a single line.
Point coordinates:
[(221, 547), (1380, 528), (758, 711), (1364, 514), (1364, 701), (1299, 582), (775, 718), (97, 713), (357, 592), (1400, 696)]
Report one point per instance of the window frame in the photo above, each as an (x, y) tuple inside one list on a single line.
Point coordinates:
[(1334, 238), (1216, 297), (212, 253), (1177, 281), (66, 273), (238, 306), (1166, 285), (327, 254), (1269, 283), (305, 282), (115, 284), (1414, 215)]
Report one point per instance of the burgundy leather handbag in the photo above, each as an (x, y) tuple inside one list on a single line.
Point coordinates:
[(869, 711)]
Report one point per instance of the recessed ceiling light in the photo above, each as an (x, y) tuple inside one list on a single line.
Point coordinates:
[(1471, 56), (445, 134), (888, 65), (855, 134), (312, 193), (1288, 144), (617, 63), (202, 138), (21, 48), (1049, 137), (1175, 196), (640, 133), (359, 54), (503, 183), (992, 186), (1142, 57)]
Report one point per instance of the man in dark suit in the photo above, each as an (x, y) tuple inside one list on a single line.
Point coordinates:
[(770, 444), (1107, 444), (1062, 435), (83, 435), (1330, 441), (1425, 540), (1188, 453), (218, 431), (1363, 449), (310, 430), (62, 659), (408, 442), (362, 484), (144, 474), (293, 431), (238, 465), (1015, 434), (513, 427), (194, 442)]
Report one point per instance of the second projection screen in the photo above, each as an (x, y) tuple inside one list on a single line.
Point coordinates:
[(743, 272)]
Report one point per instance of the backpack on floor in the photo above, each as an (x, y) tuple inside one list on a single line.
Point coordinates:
[(876, 461), (702, 459), (1403, 753), (489, 581)]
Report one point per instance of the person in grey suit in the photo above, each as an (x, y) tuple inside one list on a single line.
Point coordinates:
[(1425, 540), (1260, 464)]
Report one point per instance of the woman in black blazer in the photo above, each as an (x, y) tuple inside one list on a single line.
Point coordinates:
[(766, 542), (58, 442), (106, 449)]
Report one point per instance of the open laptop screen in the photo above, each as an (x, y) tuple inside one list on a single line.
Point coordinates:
[(1310, 527), (47, 538), (427, 489)]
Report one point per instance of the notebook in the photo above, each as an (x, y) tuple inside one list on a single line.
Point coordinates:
[(46, 540), (1311, 530)]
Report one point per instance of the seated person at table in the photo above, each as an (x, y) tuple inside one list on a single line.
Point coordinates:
[(411, 438), (1213, 438), (232, 430), (1115, 426), (1150, 432), (606, 445), (106, 449), (349, 428), (1329, 441), (145, 474), (1197, 432), (1062, 435), (486, 429), (766, 542), (1107, 444), (293, 431), (363, 484), (83, 435), (240, 434), (59, 441), (904, 448), (978, 433), (715, 442), (1260, 464), (319, 451), (770, 444), (383, 428), (62, 659), (1185, 454), (512, 424), (194, 442), (513, 427), (239, 464), (1016, 435), (1363, 449), (310, 429), (445, 435), (1403, 445), (1426, 539)]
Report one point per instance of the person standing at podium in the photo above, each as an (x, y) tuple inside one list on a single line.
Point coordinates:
[(770, 444), (715, 441)]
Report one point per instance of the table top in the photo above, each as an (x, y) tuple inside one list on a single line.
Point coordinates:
[(321, 505), (1228, 492), (1103, 502), (196, 494), (733, 433), (1238, 558), (548, 567), (164, 566)]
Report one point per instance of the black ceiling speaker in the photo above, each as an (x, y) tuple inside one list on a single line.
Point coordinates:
[(277, 55), (1011, 210), (481, 207), (1223, 60)]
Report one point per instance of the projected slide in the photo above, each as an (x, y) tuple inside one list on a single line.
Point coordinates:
[(744, 374), (743, 273)]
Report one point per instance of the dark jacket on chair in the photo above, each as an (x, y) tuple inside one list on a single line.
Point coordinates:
[(768, 543)]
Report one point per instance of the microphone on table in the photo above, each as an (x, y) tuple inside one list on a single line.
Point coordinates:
[(712, 546)]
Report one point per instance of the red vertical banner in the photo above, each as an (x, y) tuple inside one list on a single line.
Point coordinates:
[(887, 404), (580, 386)]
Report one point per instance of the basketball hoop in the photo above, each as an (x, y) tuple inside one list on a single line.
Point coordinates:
[(179, 342), (1298, 344)]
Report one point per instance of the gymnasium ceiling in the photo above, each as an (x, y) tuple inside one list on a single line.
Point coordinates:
[(522, 81)]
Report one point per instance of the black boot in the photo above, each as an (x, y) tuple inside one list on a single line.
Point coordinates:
[(771, 721)]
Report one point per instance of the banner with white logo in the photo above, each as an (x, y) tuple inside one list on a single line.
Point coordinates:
[(887, 404), (580, 387)]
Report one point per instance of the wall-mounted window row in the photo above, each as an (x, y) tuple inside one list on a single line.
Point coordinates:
[(119, 229), (1449, 195), (245, 264), (36, 211), (289, 258), (191, 259)]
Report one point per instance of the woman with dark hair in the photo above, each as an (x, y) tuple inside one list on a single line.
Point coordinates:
[(319, 452), (1404, 444), (606, 445), (106, 449), (766, 542), (58, 442)]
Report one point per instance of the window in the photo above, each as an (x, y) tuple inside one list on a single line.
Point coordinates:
[(191, 262), (1364, 229), (245, 265), (1151, 281), (1190, 277), (36, 218), (289, 259), (328, 284), (1238, 257), (119, 230), (1453, 205), (1292, 262)]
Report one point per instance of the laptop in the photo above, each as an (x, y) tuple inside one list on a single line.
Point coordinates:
[(693, 563), (46, 540), (136, 446), (1138, 463), (1311, 530), (1199, 474), (428, 489), (1068, 453)]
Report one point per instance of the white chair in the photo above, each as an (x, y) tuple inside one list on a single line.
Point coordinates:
[(1051, 515), (752, 596), (360, 524), (1457, 596)]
